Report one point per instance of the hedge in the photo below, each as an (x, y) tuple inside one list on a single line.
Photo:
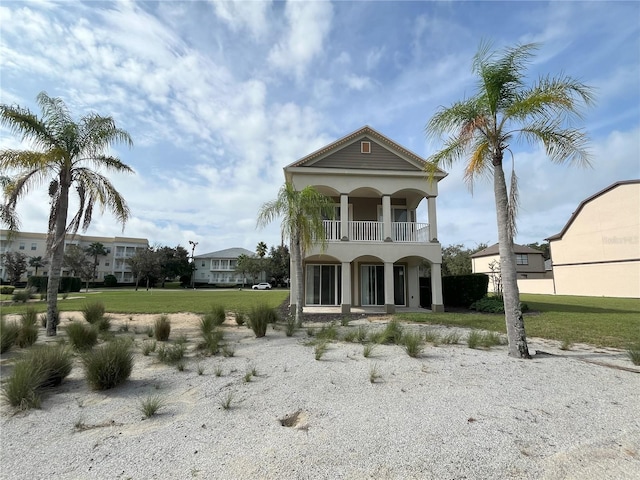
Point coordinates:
[(67, 284), (463, 290)]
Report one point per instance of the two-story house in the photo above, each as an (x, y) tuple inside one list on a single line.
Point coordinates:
[(220, 268), (376, 243)]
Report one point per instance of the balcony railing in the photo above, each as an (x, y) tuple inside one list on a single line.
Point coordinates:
[(368, 231)]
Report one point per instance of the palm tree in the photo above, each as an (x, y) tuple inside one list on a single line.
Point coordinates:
[(37, 262), (481, 129), (94, 250), (261, 249), (302, 213), (67, 154)]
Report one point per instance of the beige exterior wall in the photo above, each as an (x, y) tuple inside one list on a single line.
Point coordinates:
[(540, 286), (600, 280), (114, 263), (598, 253)]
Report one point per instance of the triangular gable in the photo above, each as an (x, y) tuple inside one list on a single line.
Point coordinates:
[(346, 153)]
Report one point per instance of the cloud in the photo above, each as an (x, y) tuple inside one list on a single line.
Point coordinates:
[(241, 15), (308, 25)]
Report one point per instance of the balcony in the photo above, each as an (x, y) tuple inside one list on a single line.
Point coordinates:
[(370, 231)]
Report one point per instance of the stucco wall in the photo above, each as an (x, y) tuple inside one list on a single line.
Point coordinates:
[(542, 286), (600, 280)]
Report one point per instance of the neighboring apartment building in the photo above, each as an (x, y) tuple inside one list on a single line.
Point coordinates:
[(376, 243), (219, 268), (597, 253), (35, 245)]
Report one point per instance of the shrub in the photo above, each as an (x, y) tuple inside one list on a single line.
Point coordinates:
[(412, 344), (463, 290), (21, 296), (212, 341), (110, 281), (7, 289), (493, 304), (93, 312), (206, 325), (240, 318), (108, 366), (162, 328), (8, 334), (148, 347), (82, 337), (260, 316)]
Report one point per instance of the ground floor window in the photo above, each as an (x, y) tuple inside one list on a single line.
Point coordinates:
[(323, 284)]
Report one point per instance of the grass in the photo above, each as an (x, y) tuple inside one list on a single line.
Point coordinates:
[(320, 349), (477, 339), (367, 349), (225, 402), (598, 321), (82, 336), (148, 347), (108, 366), (162, 328), (374, 374), (260, 316), (151, 405), (9, 332), (413, 344), (28, 333), (159, 300), (633, 352), (172, 354)]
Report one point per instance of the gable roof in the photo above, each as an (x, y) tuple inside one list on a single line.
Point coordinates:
[(227, 253), (575, 214), (494, 250), (413, 160)]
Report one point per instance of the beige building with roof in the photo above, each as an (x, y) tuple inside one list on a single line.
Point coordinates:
[(597, 253), (377, 242), (35, 245), (220, 268)]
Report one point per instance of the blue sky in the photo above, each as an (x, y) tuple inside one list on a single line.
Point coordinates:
[(219, 96)]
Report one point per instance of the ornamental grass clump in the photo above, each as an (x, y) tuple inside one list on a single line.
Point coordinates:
[(108, 366), (93, 312), (151, 405), (633, 352), (162, 328), (41, 368), (81, 336), (8, 334), (413, 344), (260, 316), (216, 315), (28, 333)]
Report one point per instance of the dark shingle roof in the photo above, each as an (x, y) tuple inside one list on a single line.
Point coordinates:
[(493, 250)]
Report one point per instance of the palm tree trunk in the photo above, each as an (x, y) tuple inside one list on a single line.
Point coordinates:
[(57, 255), (513, 315), (297, 255)]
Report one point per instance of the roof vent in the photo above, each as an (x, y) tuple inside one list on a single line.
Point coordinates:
[(365, 147)]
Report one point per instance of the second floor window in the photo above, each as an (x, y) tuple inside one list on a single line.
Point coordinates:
[(522, 259), (34, 246), (21, 247)]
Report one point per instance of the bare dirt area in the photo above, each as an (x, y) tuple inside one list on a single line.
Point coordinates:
[(272, 411)]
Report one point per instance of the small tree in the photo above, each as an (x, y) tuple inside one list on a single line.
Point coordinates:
[(145, 264), (496, 278), (76, 261), (16, 265), (95, 250)]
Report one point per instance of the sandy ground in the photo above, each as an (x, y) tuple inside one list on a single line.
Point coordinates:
[(452, 413)]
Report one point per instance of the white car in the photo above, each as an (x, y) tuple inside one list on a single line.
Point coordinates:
[(262, 286)]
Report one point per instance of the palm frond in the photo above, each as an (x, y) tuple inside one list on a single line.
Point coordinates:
[(478, 164), (567, 145)]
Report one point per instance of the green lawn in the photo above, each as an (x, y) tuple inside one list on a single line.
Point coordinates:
[(604, 322), (163, 300)]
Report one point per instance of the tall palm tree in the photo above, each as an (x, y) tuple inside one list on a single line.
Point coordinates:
[(66, 154), (261, 249), (481, 129), (37, 262), (302, 213)]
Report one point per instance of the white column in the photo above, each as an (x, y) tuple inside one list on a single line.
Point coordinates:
[(344, 216), (293, 290), (389, 306), (386, 217), (437, 304), (433, 222), (346, 287)]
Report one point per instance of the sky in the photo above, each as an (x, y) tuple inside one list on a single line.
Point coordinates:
[(219, 96)]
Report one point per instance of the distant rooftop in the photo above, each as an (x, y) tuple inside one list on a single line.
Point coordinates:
[(227, 253)]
